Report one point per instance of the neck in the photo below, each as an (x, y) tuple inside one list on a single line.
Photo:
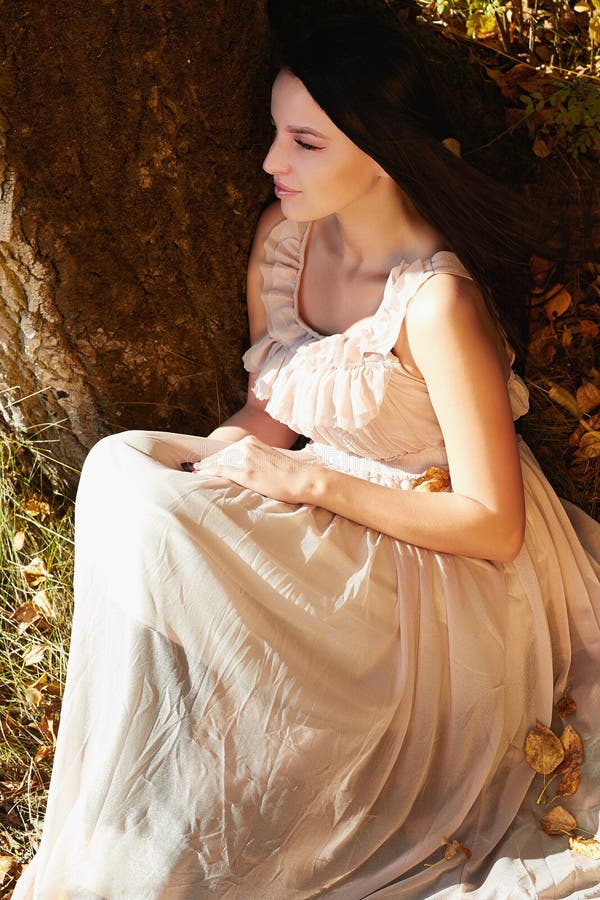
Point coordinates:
[(380, 230)]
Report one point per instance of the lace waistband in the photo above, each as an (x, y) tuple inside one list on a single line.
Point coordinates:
[(432, 478)]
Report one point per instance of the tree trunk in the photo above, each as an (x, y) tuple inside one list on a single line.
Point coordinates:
[(131, 142)]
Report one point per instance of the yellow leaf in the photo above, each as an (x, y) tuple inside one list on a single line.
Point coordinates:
[(34, 696), (37, 508), (433, 479), (588, 396), (34, 653), (543, 750), (585, 846), (35, 572), (541, 148), (44, 603), (542, 346), (558, 303), (589, 444), (454, 847), (565, 707), (569, 783), (8, 866), (565, 399), (43, 753), (18, 540), (566, 337), (558, 821)]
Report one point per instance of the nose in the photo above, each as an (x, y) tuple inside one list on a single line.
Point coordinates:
[(274, 160)]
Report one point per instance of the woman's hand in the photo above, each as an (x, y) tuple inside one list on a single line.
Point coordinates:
[(274, 473)]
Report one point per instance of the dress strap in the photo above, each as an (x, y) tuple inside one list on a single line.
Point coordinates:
[(404, 282)]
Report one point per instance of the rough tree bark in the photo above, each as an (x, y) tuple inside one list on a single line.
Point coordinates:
[(130, 185)]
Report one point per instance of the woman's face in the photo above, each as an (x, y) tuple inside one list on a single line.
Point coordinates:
[(326, 170)]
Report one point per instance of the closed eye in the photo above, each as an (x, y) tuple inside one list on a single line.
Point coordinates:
[(302, 144), (307, 146)]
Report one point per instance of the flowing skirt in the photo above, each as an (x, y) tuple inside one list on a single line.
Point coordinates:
[(268, 701)]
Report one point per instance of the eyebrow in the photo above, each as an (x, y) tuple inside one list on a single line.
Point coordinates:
[(301, 129)]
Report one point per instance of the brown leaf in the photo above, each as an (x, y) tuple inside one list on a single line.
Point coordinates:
[(433, 479), (589, 444), (588, 396), (565, 399), (8, 866), (573, 747), (543, 750), (566, 707), (44, 603), (454, 847), (541, 148), (569, 783), (37, 508), (585, 846), (542, 347), (35, 572), (34, 653), (587, 328), (558, 302), (43, 753), (570, 766), (34, 696), (25, 615), (558, 821)]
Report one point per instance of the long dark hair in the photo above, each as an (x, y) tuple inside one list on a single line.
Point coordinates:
[(372, 81)]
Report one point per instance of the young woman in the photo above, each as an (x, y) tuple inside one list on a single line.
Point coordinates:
[(296, 674)]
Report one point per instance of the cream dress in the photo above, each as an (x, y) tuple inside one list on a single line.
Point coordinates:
[(268, 701)]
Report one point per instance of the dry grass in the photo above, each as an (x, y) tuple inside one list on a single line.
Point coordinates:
[(36, 611)]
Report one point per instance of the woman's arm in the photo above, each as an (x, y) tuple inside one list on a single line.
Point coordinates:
[(484, 515), (252, 418)]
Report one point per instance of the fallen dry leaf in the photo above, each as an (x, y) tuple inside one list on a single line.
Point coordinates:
[(558, 821), (542, 347), (557, 302), (18, 540), (454, 847), (25, 615), (569, 783), (543, 749), (48, 725), (433, 479), (34, 653), (35, 572), (34, 696), (585, 846), (43, 753), (565, 399), (588, 396), (37, 508), (566, 707), (589, 445), (570, 766), (44, 603), (8, 866), (573, 747)]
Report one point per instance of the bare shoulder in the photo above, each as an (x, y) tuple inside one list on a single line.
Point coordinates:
[(268, 219), (443, 297), (454, 308)]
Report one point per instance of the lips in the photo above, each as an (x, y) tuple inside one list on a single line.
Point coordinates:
[(284, 187)]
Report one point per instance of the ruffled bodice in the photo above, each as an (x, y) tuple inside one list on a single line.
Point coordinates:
[(349, 391)]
